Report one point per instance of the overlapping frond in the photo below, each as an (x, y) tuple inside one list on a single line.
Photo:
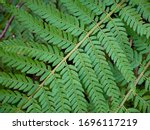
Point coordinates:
[(77, 56), (56, 18), (111, 46), (17, 82), (134, 20), (142, 101), (103, 71), (90, 83), (143, 7)]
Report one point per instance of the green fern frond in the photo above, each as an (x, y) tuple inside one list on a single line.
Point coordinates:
[(22, 63), (142, 45), (74, 89), (76, 9), (41, 52), (143, 7), (76, 56), (7, 108), (134, 20), (116, 53), (116, 26), (17, 82), (47, 33), (103, 71), (142, 101), (90, 82), (96, 7), (59, 95), (54, 17), (8, 96)]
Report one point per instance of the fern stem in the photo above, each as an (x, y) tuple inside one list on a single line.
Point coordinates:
[(9, 22), (131, 90), (73, 50)]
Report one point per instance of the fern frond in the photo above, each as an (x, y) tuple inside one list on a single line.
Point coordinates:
[(119, 78), (7, 108), (141, 68), (45, 100), (59, 95), (116, 53), (134, 20), (74, 89), (116, 26), (76, 56), (90, 82), (147, 84), (142, 45), (96, 7), (76, 9), (102, 70), (137, 59), (132, 87), (8, 96), (54, 17), (33, 107), (47, 33), (143, 7), (142, 101), (23, 64), (17, 82), (41, 52)]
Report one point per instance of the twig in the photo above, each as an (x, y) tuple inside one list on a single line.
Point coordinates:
[(6, 27), (9, 22), (131, 90)]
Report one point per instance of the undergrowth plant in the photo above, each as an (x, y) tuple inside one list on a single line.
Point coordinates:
[(76, 56)]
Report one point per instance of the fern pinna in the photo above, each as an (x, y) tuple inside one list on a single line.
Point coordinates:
[(76, 56)]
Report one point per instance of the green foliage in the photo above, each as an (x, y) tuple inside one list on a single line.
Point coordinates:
[(76, 56)]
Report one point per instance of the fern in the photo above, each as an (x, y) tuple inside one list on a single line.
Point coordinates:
[(76, 56)]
